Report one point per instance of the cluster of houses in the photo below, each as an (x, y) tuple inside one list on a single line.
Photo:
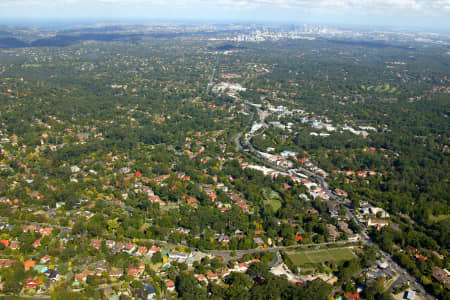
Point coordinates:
[(379, 270), (130, 247), (100, 268), (373, 216), (15, 245), (279, 160), (228, 87), (319, 122), (360, 174), (220, 276), (39, 267)]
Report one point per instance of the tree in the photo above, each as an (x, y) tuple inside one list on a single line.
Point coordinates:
[(12, 287), (369, 257), (318, 289), (157, 258), (96, 225), (215, 291), (187, 287), (257, 269), (112, 224), (78, 227), (13, 278), (376, 291), (349, 268), (355, 203), (237, 279)]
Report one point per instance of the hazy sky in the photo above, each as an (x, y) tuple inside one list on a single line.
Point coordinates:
[(405, 13)]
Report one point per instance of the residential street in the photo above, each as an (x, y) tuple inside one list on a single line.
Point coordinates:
[(404, 276)]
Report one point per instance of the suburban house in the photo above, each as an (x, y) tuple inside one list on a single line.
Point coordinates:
[(377, 223), (96, 244), (242, 267), (116, 273), (129, 248), (32, 283), (141, 251), (153, 250), (170, 285), (259, 241), (352, 296), (29, 264), (110, 244), (150, 291), (201, 277), (178, 256), (83, 275), (136, 271), (45, 259), (213, 276)]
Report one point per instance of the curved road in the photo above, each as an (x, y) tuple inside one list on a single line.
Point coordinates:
[(403, 277)]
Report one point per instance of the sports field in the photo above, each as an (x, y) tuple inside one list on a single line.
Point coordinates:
[(319, 256)]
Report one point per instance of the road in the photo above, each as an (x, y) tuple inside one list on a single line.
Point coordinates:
[(210, 80), (245, 144), (403, 277), (211, 76), (226, 254), (36, 224)]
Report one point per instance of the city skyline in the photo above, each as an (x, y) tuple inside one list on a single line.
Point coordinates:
[(398, 13)]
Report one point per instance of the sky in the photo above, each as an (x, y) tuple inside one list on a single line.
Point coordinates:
[(398, 13)]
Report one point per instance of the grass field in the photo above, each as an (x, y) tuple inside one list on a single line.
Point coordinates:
[(380, 88), (276, 204), (439, 218), (169, 207), (319, 256)]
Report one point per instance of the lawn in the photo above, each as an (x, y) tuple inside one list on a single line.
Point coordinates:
[(320, 256), (299, 258), (384, 88), (276, 204), (169, 207), (438, 218)]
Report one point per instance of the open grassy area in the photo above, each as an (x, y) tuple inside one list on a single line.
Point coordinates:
[(299, 258), (276, 204), (169, 207), (379, 89), (319, 256), (439, 218)]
